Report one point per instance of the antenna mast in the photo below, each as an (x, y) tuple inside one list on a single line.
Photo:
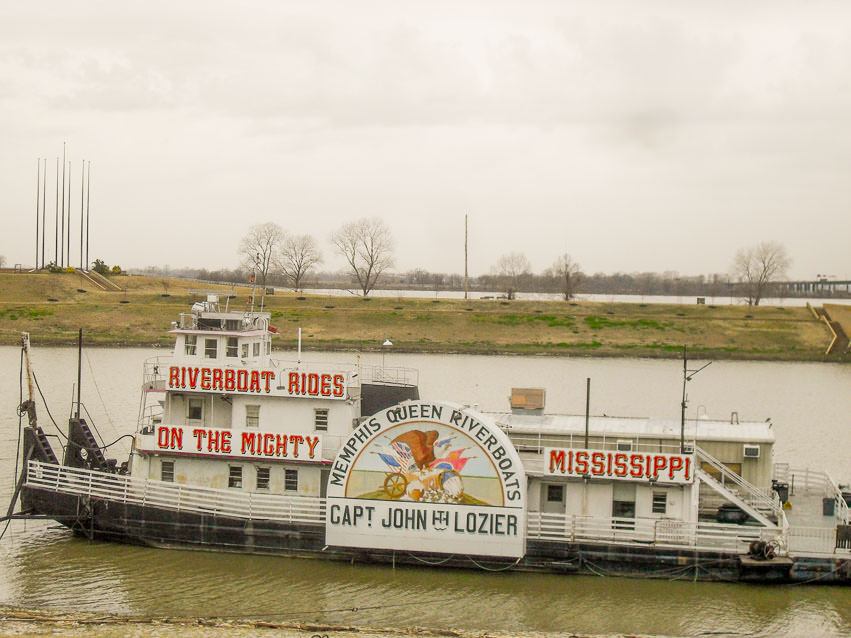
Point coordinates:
[(688, 375)]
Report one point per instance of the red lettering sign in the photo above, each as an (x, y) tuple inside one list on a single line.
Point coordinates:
[(670, 468)]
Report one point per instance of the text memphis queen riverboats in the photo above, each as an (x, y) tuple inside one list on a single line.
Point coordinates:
[(238, 451)]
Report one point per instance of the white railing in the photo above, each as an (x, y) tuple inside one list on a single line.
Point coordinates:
[(748, 492), (700, 536), (814, 482), (536, 442), (657, 532), (173, 496), (395, 375), (814, 540)]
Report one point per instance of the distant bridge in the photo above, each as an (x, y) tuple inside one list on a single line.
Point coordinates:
[(827, 287)]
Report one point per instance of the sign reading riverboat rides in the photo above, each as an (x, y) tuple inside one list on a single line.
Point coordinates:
[(432, 477), (619, 466), (318, 384)]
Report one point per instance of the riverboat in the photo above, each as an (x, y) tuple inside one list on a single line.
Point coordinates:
[(237, 450)]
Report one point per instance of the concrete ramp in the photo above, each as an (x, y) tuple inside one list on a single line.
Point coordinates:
[(99, 281)]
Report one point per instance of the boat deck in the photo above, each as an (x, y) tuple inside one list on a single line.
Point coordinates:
[(812, 531)]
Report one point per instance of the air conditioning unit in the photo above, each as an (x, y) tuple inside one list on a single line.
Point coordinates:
[(751, 451)]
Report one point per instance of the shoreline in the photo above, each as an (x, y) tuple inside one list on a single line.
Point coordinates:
[(85, 623), (138, 314)]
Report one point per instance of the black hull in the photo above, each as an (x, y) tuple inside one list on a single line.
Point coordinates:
[(159, 527)]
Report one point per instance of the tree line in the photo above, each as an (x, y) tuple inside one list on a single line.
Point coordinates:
[(277, 257)]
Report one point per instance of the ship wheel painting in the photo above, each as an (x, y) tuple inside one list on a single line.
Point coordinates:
[(427, 463)]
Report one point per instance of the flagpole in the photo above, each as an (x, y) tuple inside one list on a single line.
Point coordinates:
[(37, 194)]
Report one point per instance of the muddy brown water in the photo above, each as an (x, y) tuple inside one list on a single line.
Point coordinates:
[(43, 567)]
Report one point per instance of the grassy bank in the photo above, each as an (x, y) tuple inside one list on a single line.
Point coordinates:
[(52, 308)]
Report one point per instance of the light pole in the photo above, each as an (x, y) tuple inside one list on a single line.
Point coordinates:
[(688, 375)]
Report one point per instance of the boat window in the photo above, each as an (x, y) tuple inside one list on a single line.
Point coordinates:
[(252, 416), (268, 347), (320, 419), (211, 348), (623, 500), (244, 350), (256, 348), (235, 476), (167, 471), (232, 324), (555, 493), (233, 347), (291, 480), (262, 478), (715, 473), (660, 502), (189, 342), (624, 445), (195, 409)]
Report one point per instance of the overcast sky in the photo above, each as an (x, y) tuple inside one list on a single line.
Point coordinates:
[(636, 136)]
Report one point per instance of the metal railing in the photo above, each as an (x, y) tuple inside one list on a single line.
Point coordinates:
[(814, 540), (173, 496), (306, 510), (646, 531), (814, 482), (394, 376), (535, 443), (751, 494)]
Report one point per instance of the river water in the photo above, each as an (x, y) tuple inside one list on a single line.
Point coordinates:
[(598, 297), (43, 566)]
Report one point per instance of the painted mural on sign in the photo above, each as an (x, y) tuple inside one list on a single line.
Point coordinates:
[(437, 465), (428, 476)]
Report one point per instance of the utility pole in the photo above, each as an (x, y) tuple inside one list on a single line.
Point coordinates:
[(82, 201), (88, 194), (68, 237), (43, 212), (37, 195), (56, 220), (465, 258), (61, 263), (587, 407)]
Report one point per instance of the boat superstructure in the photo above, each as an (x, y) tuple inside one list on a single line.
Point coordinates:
[(239, 450)]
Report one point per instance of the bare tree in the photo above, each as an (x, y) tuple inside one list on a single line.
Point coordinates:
[(510, 268), (2, 260), (756, 267), (367, 247), (260, 247), (298, 255), (567, 272)]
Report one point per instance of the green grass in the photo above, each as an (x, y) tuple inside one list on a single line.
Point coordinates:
[(417, 325)]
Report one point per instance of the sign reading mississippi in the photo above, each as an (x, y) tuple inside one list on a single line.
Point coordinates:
[(432, 477)]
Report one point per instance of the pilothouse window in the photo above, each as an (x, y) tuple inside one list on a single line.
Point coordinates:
[(189, 343), (256, 348), (233, 347), (211, 348)]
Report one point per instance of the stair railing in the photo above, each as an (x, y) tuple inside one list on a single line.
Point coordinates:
[(759, 498)]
